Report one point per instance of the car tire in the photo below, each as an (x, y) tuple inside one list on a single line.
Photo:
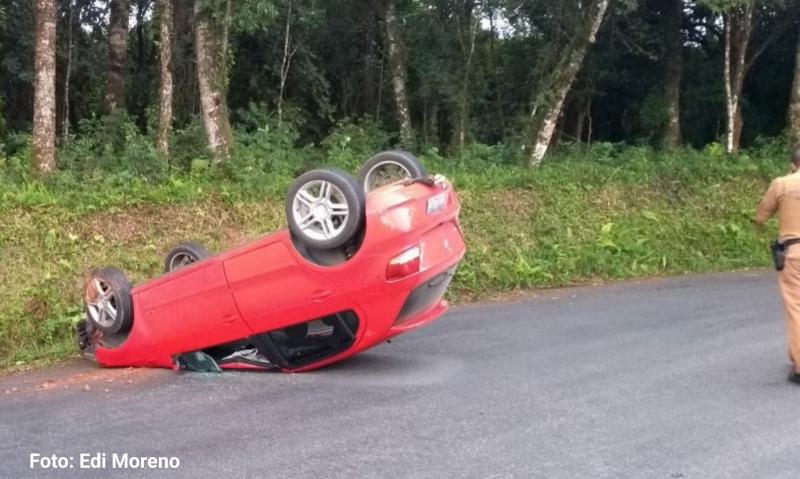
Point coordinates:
[(185, 254), (107, 299), (325, 208), (389, 166)]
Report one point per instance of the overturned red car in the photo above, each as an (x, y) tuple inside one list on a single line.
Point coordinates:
[(361, 261)]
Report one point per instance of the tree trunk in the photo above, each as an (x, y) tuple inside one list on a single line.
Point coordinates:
[(44, 87), (738, 32), (738, 126), (398, 70), (673, 71), (68, 68), (212, 81), (117, 54), (467, 36), (286, 62), (589, 123), (165, 104), (794, 104), (549, 101), (580, 123), (226, 30)]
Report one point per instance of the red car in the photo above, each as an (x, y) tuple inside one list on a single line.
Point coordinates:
[(362, 261)]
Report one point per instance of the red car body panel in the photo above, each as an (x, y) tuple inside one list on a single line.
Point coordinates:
[(268, 285)]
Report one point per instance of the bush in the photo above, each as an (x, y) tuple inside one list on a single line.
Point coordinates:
[(351, 143), (188, 145), (3, 131), (266, 148), (112, 146), (14, 162)]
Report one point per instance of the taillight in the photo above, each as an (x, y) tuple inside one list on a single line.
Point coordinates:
[(404, 264)]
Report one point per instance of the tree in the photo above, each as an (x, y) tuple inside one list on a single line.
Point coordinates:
[(794, 103), (489, 71), (211, 57), (143, 61), (468, 25), (165, 10), (398, 71), (117, 53), (738, 22), (289, 51), (741, 19), (71, 27), (44, 87), (673, 72), (549, 98)]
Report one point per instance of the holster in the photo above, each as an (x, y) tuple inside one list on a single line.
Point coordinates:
[(778, 255), (779, 252)]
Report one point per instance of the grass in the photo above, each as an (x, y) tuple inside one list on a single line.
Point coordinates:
[(597, 214)]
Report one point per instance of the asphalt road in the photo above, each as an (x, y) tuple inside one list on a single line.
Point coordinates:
[(675, 378)]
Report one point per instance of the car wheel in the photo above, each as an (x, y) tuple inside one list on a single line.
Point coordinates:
[(325, 208), (185, 254), (107, 297), (388, 167)]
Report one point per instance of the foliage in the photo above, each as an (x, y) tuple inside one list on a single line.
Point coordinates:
[(3, 131), (339, 67), (351, 142), (251, 15), (605, 212), (265, 149), (112, 144)]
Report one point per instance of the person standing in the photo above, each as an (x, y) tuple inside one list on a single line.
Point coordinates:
[(783, 198)]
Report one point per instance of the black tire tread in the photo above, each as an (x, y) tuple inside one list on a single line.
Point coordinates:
[(407, 159), (197, 250)]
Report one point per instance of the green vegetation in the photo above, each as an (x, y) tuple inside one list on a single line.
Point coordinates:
[(599, 212)]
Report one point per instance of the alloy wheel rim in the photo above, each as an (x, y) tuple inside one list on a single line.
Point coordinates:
[(101, 303), (320, 210), (385, 173), (180, 260)]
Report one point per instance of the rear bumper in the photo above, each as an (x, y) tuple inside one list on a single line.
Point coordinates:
[(442, 248), (401, 306), (422, 319), (424, 297)]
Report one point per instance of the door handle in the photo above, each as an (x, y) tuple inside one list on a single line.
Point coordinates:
[(320, 295)]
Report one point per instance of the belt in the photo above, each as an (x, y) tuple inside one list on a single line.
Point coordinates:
[(790, 242)]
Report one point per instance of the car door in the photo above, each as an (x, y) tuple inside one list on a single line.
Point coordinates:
[(189, 309), (272, 289)]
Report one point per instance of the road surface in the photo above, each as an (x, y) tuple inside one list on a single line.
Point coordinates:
[(673, 378)]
